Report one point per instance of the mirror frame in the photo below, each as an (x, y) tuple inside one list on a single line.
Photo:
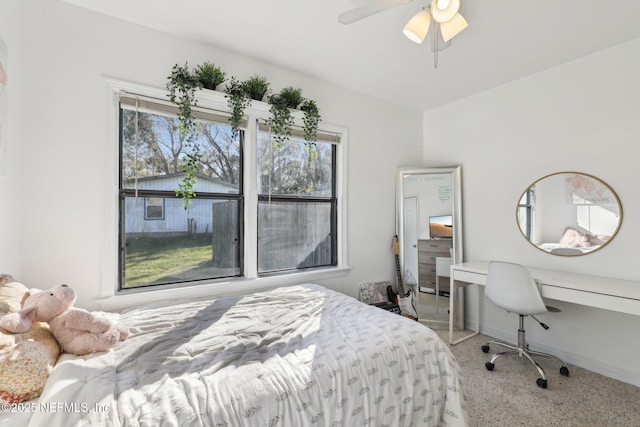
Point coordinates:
[(456, 205), (613, 235)]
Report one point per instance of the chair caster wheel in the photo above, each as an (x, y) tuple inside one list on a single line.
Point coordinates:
[(485, 348), (564, 371), (489, 366), (541, 383)]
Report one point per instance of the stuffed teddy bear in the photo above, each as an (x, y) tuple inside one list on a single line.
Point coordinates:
[(76, 330)]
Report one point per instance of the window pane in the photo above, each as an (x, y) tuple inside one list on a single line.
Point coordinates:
[(201, 242), (293, 235), (294, 168), (152, 150), (155, 208), (523, 220)]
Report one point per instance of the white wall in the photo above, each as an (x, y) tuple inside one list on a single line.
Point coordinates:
[(67, 52), (10, 188), (580, 116)]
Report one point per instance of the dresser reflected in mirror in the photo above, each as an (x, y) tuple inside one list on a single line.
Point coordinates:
[(429, 227), (569, 214)]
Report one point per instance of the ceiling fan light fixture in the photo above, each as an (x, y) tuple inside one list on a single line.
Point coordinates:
[(453, 27), (444, 10), (418, 27)]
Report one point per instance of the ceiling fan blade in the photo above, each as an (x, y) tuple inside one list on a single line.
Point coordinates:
[(369, 9)]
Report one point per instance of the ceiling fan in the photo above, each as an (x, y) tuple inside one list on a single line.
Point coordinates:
[(444, 14)]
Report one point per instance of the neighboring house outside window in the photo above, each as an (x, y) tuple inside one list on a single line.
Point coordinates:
[(293, 191)]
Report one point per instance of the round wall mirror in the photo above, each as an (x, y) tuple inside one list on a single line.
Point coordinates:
[(569, 214)]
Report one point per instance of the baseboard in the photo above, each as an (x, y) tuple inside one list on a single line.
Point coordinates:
[(594, 365)]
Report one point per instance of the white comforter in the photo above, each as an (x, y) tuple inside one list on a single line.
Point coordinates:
[(295, 356)]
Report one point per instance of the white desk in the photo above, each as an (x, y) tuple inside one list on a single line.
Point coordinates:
[(601, 292)]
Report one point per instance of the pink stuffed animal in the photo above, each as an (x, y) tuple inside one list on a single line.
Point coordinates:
[(77, 331), (574, 239)]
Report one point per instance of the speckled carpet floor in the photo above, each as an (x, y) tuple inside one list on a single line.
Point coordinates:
[(509, 396)]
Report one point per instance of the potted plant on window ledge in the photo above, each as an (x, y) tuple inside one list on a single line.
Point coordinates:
[(209, 75), (282, 120), (183, 84), (256, 87), (239, 96)]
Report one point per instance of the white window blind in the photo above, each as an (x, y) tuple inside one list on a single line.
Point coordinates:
[(298, 132), (150, 105)]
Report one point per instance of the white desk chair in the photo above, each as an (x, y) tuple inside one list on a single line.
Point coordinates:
[(512, 288)]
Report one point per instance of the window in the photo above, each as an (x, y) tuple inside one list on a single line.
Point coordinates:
[(260, 211), (525, 212), (154, 208), (297, 213), (180, 245)]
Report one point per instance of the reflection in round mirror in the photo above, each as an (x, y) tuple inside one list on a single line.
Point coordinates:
[(569, 213)]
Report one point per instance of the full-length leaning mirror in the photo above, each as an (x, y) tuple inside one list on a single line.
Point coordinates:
[(429, 228), (569, 214)]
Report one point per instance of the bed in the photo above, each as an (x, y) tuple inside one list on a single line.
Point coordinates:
[(293, 356), (575, 241)]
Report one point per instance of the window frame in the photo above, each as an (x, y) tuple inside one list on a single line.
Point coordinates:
[(112, 297), (527, 206), (161, 107), (330, 200)]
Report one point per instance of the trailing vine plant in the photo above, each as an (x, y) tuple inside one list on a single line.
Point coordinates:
[(281, 121), (310, 121), (237, 101), (182, 86)]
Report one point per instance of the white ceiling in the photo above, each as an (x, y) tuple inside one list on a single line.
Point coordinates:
[(505, 40)]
